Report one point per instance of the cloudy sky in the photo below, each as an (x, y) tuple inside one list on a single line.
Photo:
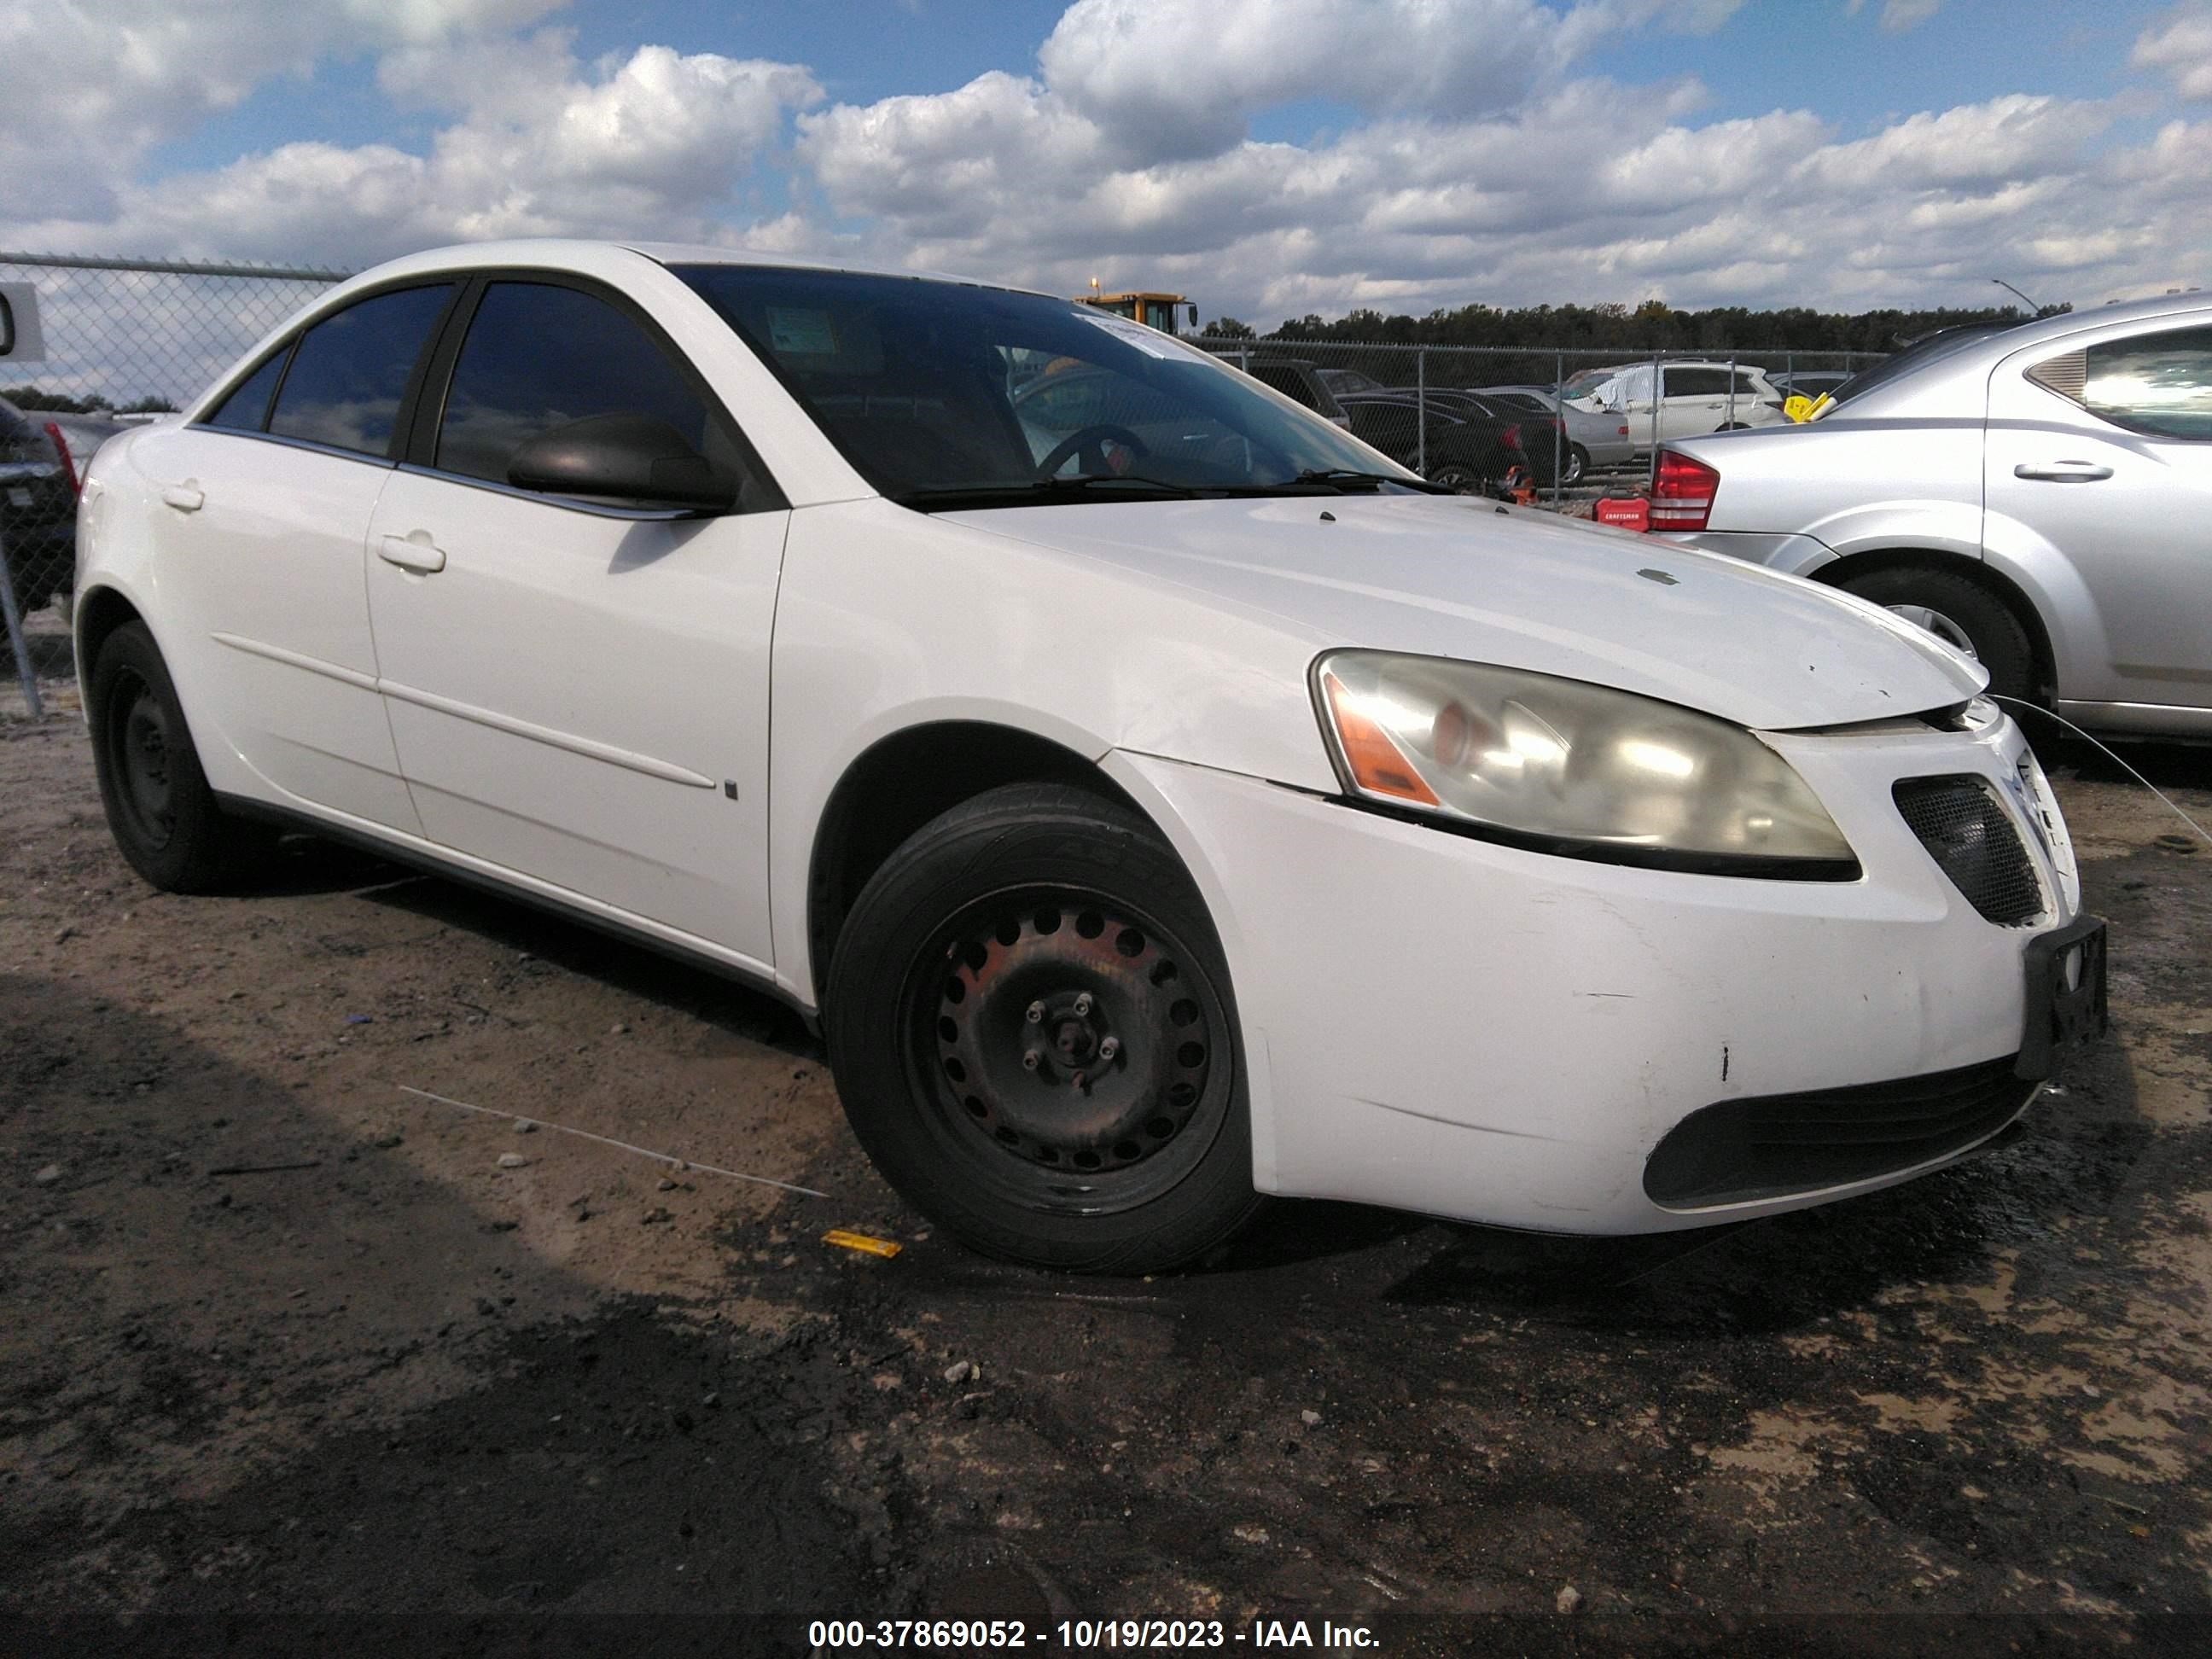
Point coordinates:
[(1270, 157)]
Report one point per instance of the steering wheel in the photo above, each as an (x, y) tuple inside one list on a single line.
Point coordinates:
[(1095, 437)]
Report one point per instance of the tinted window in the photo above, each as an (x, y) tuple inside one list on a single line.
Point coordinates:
[(1697, 383), (2159, 384), (539, 356), (349, 372), (247, 410), (1746, 386)]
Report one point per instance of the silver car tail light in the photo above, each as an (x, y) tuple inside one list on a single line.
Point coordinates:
[(1683, 492)]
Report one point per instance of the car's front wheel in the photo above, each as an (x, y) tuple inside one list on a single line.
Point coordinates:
[(1030, 1026), (165, 819)]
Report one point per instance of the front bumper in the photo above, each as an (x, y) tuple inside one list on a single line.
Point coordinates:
[(1442, 1023)]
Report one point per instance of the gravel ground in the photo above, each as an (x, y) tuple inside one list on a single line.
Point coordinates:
[(284, 1339)]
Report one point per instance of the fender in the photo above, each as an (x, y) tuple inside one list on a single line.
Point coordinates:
[(2067, 606), (1941, 526)]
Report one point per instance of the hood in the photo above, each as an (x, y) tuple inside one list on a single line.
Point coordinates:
[(1457, 576)]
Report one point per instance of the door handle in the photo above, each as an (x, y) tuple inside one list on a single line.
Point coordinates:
[(2063, 471), (422, 557), (185, 498)]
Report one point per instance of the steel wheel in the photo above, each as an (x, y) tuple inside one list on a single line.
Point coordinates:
[(1066, 1044), (166, 822), (139, 743)]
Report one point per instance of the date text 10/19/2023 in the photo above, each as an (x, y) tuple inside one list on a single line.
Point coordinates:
[(831, 1635)]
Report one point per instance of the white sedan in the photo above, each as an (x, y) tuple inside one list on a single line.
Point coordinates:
[(1161, 800)]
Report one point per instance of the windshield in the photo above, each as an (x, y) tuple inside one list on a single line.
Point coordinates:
[(934, 390)]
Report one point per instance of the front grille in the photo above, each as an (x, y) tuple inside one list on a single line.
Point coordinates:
[(1776, 1145), (1975, 844)]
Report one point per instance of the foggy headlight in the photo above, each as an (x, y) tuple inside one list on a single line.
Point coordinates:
[(1575, 767)]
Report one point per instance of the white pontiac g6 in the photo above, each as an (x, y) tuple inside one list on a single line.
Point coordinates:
[(1161, 800)]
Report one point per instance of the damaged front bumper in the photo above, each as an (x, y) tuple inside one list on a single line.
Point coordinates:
[(1450, 1025)]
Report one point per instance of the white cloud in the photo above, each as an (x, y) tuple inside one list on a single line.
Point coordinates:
[(1899, 15), (658, 145), (2180, 43), (1593, 190), (1474, 164), (1171, 81), (101, 84)]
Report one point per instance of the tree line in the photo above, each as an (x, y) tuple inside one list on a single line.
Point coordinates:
[(60, 403), (1652, 327)]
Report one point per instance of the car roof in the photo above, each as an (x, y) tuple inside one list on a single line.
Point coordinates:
[(584, 254)]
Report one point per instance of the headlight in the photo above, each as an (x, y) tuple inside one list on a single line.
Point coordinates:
[(1572, 768)]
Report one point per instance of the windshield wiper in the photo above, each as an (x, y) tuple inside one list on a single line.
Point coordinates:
[(938, 498), (1340, 476)]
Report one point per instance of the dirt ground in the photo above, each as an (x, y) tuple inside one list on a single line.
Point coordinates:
[(283, 1340)]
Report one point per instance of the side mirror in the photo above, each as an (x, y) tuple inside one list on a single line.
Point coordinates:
[(632, 458)]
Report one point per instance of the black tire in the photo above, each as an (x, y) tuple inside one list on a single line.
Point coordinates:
[(1983, 622), (1459, 477), (1106, 1133), (159, 809)]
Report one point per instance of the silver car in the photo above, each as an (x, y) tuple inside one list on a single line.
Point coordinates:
[(1596, 439), (2040, 497)]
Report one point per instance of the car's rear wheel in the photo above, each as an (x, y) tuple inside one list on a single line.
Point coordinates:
[(1963, 614), (1030, 1026), (164, 818), (1578, 465)]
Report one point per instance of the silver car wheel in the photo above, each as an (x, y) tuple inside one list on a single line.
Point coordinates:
[(1941, 626)]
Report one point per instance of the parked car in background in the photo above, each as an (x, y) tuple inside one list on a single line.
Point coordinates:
[(84, 433), (1540, 434), (1469, 450), (2039, 496), (1688, 398), (38, 506), (1598, 439), (1301, 382), (1815, 383), (1198, 808), (1341, 381)]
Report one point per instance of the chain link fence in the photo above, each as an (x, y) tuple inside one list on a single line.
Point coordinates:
[(1584, 420), (123, 340)]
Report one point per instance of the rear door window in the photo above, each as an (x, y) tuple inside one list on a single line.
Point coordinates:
[(2159, 385), (349, 372)]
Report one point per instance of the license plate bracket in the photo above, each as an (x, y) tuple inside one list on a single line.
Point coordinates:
[(2066, 995)]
